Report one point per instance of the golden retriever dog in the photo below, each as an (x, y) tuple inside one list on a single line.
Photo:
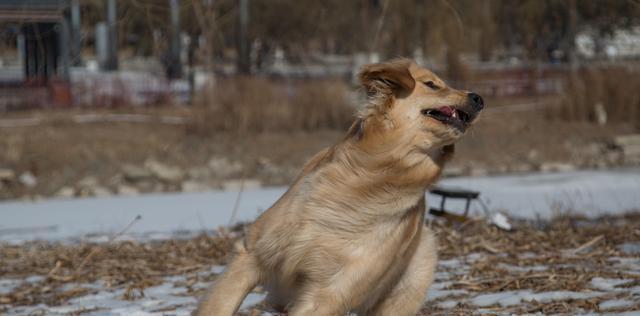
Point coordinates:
[(349, 234)]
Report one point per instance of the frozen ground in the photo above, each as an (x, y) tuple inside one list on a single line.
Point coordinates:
[(174, 296), (531, 196), (570, 268), (452, 292)]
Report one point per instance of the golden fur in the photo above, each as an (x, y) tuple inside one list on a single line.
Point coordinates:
[(348, 236)]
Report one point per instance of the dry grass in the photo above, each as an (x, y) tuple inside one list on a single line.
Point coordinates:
[(614, 88), (128, 264), (574, 251), (257, 104)]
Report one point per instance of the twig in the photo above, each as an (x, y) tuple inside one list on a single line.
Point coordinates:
[(503, 285), (202, 225), (489, 248), (52, 273), (374, 45), (111, 239), (237, 203), (456, 15), (586, 245), (477, 282)]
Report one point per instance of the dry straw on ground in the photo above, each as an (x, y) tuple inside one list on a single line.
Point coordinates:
[(573, 250)]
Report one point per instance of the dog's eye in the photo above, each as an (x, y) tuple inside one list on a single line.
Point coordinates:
[(431, 85)]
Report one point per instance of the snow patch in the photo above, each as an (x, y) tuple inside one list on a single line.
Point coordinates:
[(527, 196), (632, 248), (252, 299), (510, 298), (435, 294), (603, 284), (536, 268), (448, 304), (611, 304)]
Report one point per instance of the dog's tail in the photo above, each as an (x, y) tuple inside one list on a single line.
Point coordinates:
[(230, 289)]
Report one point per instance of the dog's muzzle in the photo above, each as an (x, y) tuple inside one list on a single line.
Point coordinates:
[(476, 101)]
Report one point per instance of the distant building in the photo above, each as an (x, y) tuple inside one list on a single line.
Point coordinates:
[(44, 36), (44, 40)]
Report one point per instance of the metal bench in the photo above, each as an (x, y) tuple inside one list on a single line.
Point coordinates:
[(453, 193)]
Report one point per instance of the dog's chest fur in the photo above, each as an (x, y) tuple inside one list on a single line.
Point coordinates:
[(332, 221), (343, 211)]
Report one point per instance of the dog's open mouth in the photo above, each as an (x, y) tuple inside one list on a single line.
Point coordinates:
[(449, 115)]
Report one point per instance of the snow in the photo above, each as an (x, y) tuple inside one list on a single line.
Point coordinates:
[(606, 284), (435, 294), (252, 299), (173, 297), (534, 268), (448, 304), (111, 303), (217, 269), (7, 285), (173, 215), (445, 297), (161, 215), (510, 298), (590, 193), (611, 304), (503, 298), (450, 263), (630, 248), (630, 313), (500, 220), (600, 287), (163, 299), (528, 196), (629, 264)]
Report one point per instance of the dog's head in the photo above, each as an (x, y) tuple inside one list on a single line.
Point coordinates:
[(407, 102)]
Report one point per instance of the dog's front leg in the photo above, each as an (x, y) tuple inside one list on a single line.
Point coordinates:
[(318, 303), (408, 294), (343, 291), (230, 289)]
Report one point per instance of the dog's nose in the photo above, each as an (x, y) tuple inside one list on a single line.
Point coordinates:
[(476, 101)]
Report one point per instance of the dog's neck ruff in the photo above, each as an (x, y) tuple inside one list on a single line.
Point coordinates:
[(393, 166)]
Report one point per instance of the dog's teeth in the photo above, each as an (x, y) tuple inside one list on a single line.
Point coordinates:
[(455, 114)]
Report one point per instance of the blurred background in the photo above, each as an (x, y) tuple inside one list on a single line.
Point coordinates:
[(105, 97)]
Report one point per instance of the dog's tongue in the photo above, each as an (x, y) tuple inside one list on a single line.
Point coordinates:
[(448, 111)]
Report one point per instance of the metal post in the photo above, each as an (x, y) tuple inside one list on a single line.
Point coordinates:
[(466, 207), (102, 44), (63, 42), (175, 64), (112, 59), (244, 58), (571, 47), (76, 58), (22, 51)]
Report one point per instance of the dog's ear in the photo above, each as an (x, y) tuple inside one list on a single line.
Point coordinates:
[(388, 77)]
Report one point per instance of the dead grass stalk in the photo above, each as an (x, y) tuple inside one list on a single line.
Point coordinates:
[(258, 104), (593, 92)]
